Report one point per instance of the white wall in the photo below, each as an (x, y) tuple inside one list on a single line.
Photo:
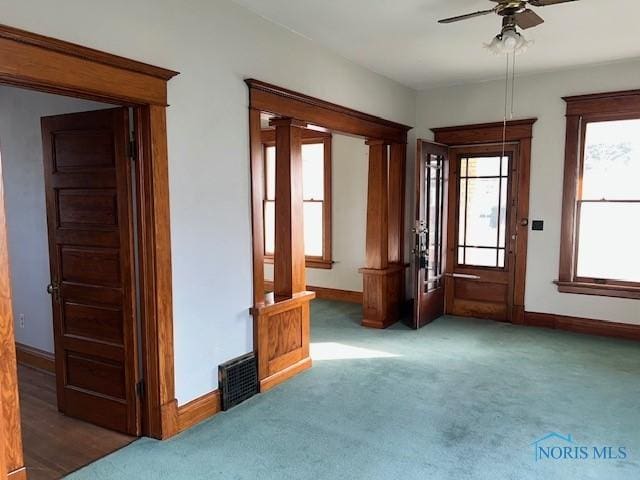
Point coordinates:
[(23, 178), (350, 160), (215, 44), (539, 96)]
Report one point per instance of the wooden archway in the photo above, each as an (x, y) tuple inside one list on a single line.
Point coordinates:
[(281, 329)]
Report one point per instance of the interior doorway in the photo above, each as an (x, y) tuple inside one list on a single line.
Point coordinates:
[(471, 223), (70, 222)]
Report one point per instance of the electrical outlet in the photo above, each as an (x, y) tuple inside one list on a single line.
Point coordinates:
[(21, 320)]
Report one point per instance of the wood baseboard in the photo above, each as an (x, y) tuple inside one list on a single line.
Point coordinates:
[(583, 325), (35, 358), (19, 474), (328, 293), (283, 375), (198, 410)]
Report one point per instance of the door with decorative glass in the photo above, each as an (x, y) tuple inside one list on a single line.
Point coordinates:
[(482, 231), (429, 230)]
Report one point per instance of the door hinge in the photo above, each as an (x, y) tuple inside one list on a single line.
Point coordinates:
[(133, 150), (140, 388)]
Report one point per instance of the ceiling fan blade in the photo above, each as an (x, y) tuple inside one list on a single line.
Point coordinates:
[(528, 19), (468, 15), (546, 3)]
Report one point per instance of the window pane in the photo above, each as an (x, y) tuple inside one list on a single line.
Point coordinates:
[(609, 239), (269, 227), (501, 258), (481, 257), (313, 171), (461, 210), (270, 166), (504, 191), (482, 212), (484, 167), (463, 167), (612, 161), (313, 229)]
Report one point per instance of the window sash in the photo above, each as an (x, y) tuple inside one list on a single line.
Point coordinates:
[(503, 178), (580, 112), (312, 261)]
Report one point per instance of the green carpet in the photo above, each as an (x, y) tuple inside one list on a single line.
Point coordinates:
[(458, 399)]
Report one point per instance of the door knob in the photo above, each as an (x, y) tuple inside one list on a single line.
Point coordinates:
[(54, 290)]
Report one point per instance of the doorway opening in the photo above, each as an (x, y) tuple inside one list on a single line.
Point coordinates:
[(471, 222), (63, 68), (70, 215)]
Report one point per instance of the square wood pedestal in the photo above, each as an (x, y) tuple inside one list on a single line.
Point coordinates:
[(383, 291), (281, 332)]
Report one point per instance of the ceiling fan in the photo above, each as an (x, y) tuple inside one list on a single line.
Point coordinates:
[(514, 12)]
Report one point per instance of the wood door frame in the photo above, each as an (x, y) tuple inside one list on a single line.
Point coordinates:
[(520, 132), (33, 61)]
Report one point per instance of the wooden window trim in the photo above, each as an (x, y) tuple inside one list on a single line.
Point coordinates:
[(582, 110), (310, 137)]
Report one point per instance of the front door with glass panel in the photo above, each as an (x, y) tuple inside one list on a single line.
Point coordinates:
[(429, 229), (481, 233)]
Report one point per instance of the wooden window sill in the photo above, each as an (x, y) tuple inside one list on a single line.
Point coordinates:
[(584, 288), (309, 263)]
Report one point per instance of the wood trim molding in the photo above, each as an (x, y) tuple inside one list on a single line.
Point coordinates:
[(325, 293), (35, 358), (583, 325), (19, 474), (618, 103), (287, 103), (85, 53), (198, 410), (480, 133), (34, 61)]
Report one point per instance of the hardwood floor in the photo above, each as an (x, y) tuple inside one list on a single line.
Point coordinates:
[(56, 445)]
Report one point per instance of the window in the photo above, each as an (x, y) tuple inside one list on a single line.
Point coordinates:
[(316, 186), (482, 210), (599, 255)]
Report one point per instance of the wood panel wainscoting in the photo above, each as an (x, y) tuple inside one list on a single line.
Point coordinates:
[(281, 329), (582, 325), (45, 64), (35, 358), (325, 293), (283, 348)]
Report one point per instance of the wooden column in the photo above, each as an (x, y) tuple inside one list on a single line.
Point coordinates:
[(382, 280), (10, 430), (397, 161), (281, 335), (289, 268), (377, 206)]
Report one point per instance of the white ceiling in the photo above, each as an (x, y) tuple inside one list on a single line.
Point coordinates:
[(402, 40)]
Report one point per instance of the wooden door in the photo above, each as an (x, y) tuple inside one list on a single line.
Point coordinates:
[(89, 215), (482, 231), (430, 232)]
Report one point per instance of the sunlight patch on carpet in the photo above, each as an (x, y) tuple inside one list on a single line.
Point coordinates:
[(341, 351)]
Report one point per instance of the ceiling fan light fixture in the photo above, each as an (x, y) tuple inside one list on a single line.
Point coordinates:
[(507, 42)]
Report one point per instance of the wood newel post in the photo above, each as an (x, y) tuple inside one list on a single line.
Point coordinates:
[(289, 261), (377, 251)]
